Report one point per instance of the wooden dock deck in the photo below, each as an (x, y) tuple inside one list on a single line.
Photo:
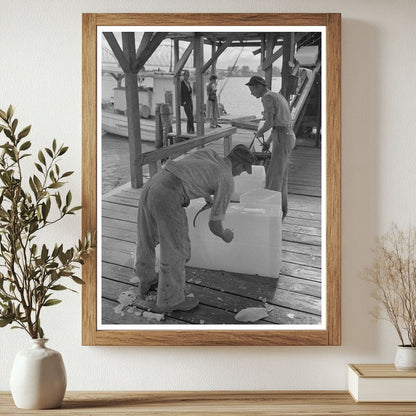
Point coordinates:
[(292, 299)]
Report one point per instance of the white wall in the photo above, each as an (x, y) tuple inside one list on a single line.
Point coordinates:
[(40, 73)]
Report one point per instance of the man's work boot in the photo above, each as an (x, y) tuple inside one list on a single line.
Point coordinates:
[(186, 305)]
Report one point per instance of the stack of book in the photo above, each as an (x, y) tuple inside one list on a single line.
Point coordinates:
[(381, 383)]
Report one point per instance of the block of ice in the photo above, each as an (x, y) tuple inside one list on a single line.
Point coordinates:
[(261, 198), (256, 247), (246, 182)]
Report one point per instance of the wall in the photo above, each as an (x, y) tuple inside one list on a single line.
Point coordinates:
[(40, 73)]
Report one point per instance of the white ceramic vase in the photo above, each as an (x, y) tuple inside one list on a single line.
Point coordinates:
[(405, 358), (38, 377)]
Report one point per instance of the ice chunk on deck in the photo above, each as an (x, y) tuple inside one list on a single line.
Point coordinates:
[(246, 182), (257, 244)]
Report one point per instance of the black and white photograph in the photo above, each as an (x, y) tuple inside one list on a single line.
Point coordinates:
[(211, 169)]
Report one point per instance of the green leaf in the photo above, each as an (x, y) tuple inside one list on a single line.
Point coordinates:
[(33, 187), (54, 145), (59, 287), (14, 125), (44, 253), (25, 145), (77, 208), (51, 302), (63, 150), (8, 133), (40, 331), (37, 182), (49, 152), (78, 280), (3, 115), (67, 174), (68, 199), (41, 157), (56, 185), (5, 321), (24, 132), (10, 112), (58, 199), (39, 167), (45, 211)]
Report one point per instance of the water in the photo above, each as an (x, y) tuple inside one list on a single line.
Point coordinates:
[(233, 94)]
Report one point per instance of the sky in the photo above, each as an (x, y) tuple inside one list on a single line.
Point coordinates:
[(227, 58)]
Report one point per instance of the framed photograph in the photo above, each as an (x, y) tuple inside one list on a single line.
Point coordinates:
[(211, 172)]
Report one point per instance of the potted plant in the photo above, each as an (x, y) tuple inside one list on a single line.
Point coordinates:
[(393, 277), (31, 273)]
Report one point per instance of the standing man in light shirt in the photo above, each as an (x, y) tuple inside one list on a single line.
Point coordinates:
[(277, 117), (162, 219)]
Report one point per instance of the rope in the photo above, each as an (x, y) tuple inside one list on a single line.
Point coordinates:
[(232, 69)]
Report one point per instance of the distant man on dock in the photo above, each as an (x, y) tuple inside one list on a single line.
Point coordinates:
[(162, 218), (186, 102), (278, 118)]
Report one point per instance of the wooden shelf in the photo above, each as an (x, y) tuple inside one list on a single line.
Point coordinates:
[(178, 403)]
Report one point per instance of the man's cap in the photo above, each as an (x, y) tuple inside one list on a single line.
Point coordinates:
[(255, 80), (242, 154)]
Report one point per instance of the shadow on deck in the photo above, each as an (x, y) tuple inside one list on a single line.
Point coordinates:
[(292, 299)]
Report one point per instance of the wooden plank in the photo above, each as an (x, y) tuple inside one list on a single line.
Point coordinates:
[(305, 203), (89, 172), (121, 225), (247, 122), (206, 313), (304, 190), (299, 229), (122, 200), (333, 172), (177, 85), (216, 306), (216, 55), (268, 53), (303, 222), (258, 288), (298, 247), (302, 238), (212, 403), (301, 271), (147, 51), (183, 147), (295, 213), (180, 62), (302, 259), (199, 84), (133, 114), (122, 58), (269, 61), (130, 316)]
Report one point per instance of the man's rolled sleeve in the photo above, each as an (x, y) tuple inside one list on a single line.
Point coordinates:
[(221, 200)]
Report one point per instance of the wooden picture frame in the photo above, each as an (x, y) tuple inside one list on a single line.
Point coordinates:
[(330, 334)]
